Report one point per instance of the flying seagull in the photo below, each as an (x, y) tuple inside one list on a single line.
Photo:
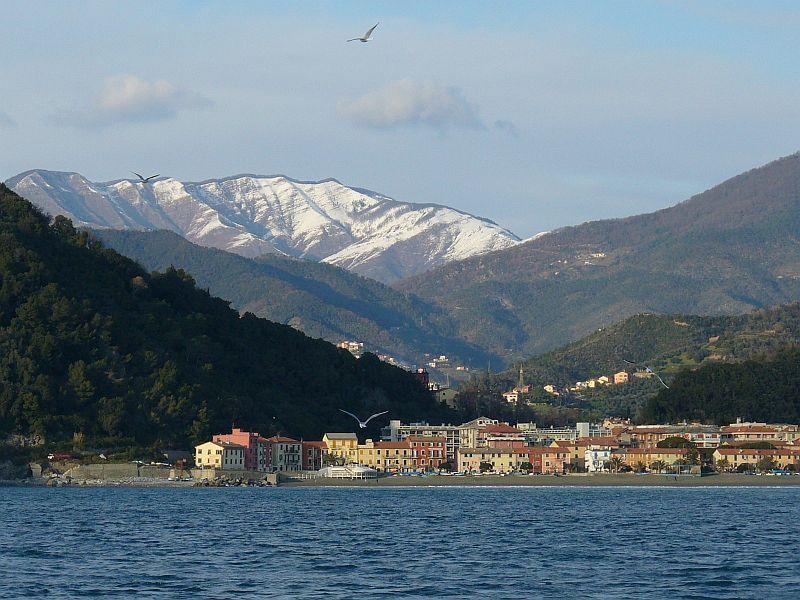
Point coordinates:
[(366, 36), (144, 179), (363, 424), (648, 369)]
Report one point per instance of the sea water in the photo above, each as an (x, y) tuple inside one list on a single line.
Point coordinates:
[(400, 542)]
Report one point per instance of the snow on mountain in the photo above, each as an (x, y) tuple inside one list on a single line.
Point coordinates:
[(357, 229)]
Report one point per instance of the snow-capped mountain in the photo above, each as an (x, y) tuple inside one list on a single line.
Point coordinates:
[(356, 229)]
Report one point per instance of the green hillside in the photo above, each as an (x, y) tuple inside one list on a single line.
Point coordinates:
[(91, 343), (729, 250), (319, 299), (669, 344), (766, 390)]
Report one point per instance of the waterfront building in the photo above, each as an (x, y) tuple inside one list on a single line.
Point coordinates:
[(787, 457), (596, 458), (342, 446), (396, 432), (386, 456), (285, 454), (427, 452), (219, 455), (549, 460), (649, 456), (502, 460), (312, 452), (256, 448)]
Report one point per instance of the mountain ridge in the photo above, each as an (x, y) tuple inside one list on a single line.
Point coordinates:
[(727, 250), (356, 228)]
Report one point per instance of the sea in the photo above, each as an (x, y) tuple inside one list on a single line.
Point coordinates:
[(416, 542)]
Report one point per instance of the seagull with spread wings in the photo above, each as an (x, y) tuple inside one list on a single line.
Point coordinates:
[(363, 424), (144, 179), (366, 36)]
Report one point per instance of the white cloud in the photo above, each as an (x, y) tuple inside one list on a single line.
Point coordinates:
[(6, 122), (412, 103), (129, 99)]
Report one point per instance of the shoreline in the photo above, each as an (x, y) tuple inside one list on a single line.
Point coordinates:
[(597, 480)]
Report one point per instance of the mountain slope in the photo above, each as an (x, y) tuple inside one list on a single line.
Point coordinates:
[(90, 343), (728, 250), (356, 229), (668, 344), (319, 299), (765, 390)]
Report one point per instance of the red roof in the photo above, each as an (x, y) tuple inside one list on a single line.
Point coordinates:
[(499, 428), (426, 438), (404, 445), (280, 439), (749, 429), (759, 451), (597, 441), (316, 444)]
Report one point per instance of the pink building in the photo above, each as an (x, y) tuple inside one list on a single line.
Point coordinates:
[(256, 448)]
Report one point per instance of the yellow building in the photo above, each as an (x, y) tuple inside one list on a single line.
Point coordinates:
[(735, 457), (343, 446), (387, 456), (621, 377), (503, 460), (219, 455), (648, 456)]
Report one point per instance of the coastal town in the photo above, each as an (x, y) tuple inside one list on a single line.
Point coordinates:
[(486, 446)]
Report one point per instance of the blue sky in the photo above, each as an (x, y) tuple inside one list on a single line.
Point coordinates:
[(534, 114)]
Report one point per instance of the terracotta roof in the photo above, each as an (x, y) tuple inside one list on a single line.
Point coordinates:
[(226, 445), (597, 441), (759, 451), (563, 443), (653, 451), (316, 444), (500, 428), (404, 445), (426, 438), (282, 439), (749, 429)]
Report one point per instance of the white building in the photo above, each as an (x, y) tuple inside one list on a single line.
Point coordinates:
[(596, 457)]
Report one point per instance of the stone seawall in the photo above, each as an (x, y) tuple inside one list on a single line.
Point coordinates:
[(109, 471)]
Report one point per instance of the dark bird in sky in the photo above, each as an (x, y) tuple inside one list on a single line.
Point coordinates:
[(144, 179), (366, 36), (363, 424)]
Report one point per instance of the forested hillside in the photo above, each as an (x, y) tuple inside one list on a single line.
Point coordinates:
[(668, 343), (319, 299), (729, 250), (766, 390), (91, 343)]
